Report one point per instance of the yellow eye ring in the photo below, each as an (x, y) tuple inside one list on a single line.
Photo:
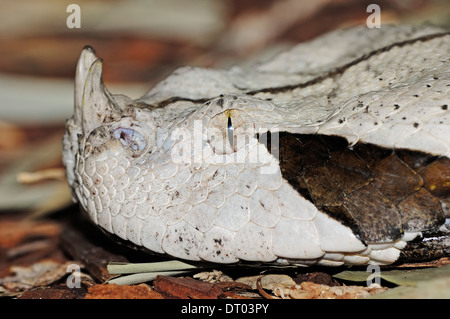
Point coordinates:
[(230, 130)]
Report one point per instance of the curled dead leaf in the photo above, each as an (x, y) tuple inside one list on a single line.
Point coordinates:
[(213, 276), (266, 281), (310, 290)]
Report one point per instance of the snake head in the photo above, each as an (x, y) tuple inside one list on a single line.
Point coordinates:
[(186, 177), (224, 166)]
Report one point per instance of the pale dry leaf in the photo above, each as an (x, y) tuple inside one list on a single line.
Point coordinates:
[(18, 196), (39, 274), (267, 281), (42, 175), (214, 276)]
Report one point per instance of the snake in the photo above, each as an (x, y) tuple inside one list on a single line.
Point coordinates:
[(333, 152)]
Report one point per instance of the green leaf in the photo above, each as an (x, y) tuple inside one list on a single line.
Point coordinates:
[(130, 268), (352, 275), (142, 277), (143, 272), (427, 289), (404, 277)]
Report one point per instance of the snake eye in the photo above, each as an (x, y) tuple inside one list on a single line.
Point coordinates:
[(130, 139), (229, 131)]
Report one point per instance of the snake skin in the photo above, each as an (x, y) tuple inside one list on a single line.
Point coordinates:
[(184, 171)]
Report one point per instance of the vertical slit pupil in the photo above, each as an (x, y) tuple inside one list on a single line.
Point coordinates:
[(230, 133)]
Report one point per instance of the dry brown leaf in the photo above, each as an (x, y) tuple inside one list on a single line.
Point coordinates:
[(431, 263), (61, 292), (186, 288), (190, 288), (12, 136), (112, 291), (14, 232)]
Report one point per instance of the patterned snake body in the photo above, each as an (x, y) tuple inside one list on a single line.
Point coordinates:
[(339, 156)]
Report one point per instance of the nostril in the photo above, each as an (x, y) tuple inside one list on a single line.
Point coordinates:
[(130, 138)]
